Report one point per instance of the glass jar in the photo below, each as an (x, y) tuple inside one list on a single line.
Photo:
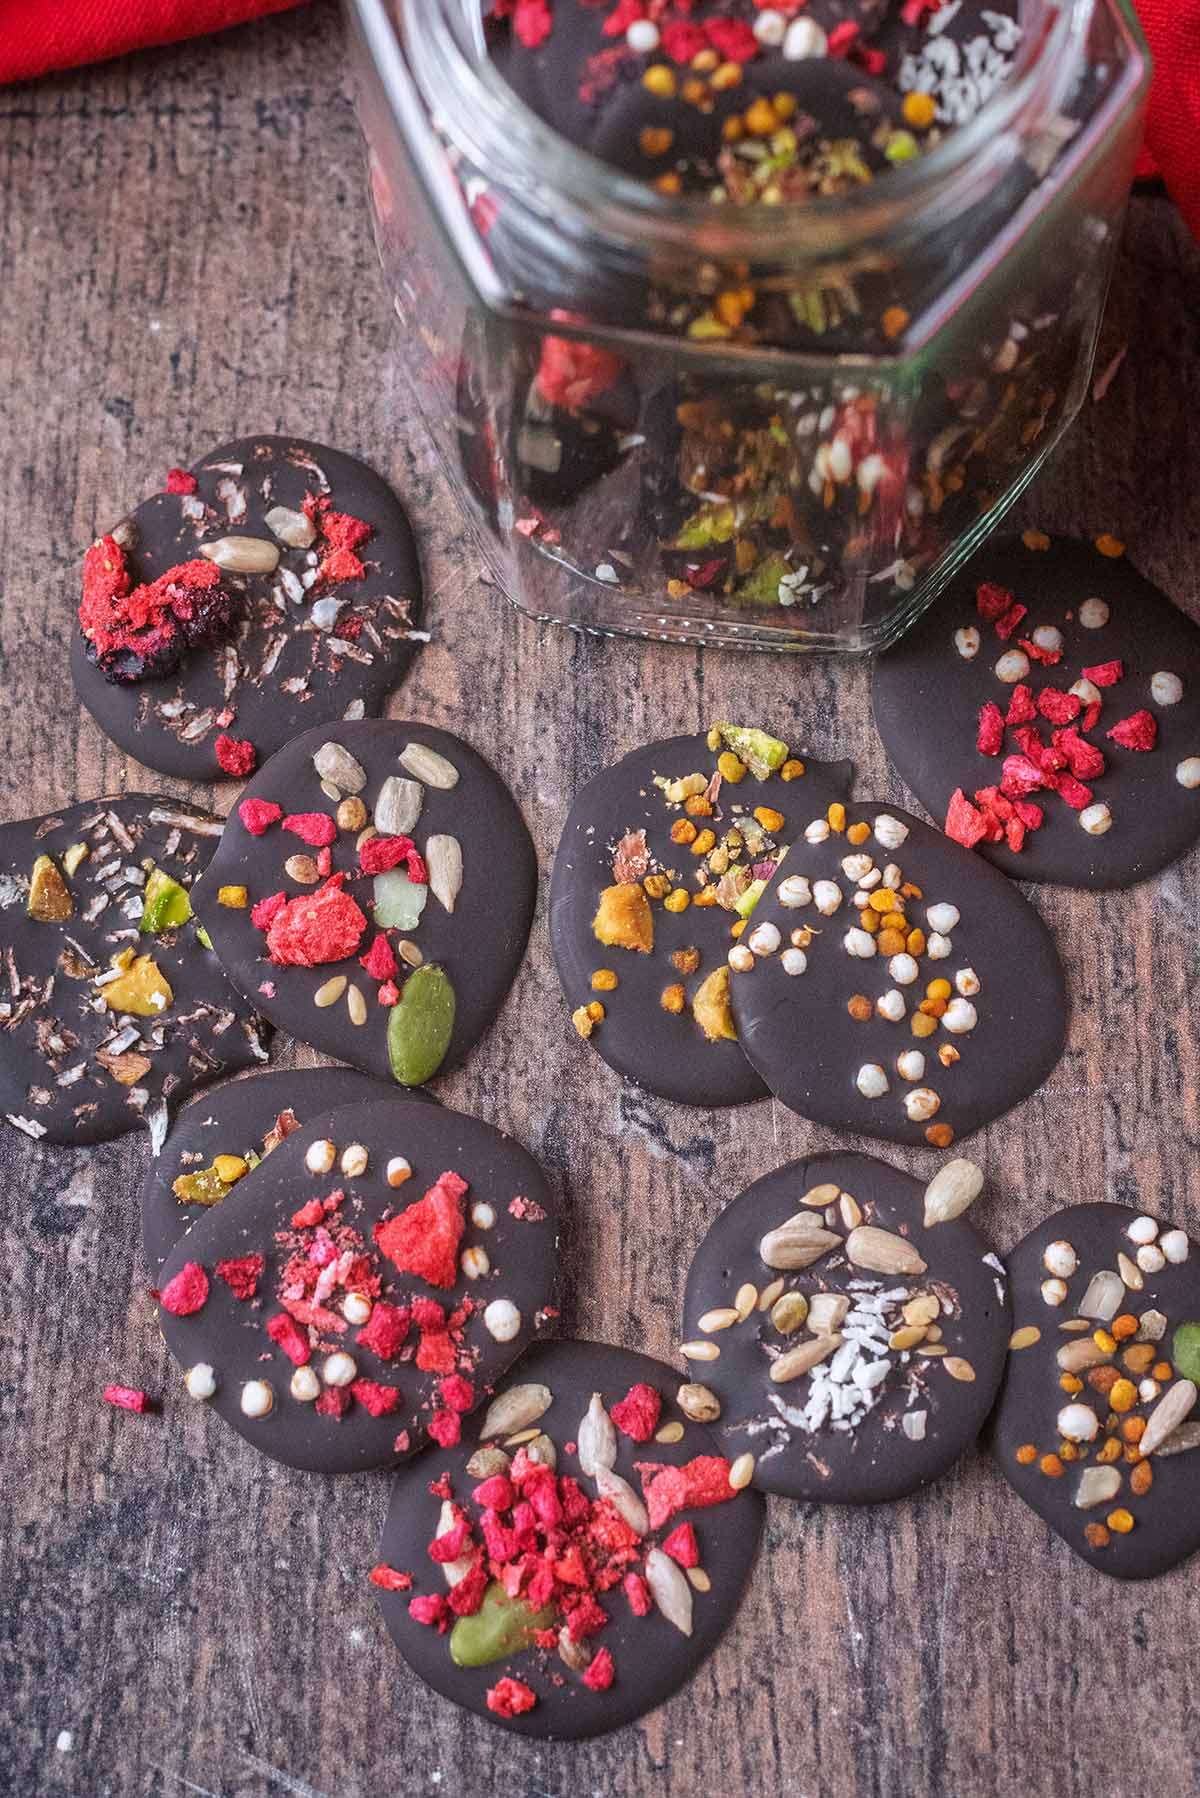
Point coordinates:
[(635, 462)]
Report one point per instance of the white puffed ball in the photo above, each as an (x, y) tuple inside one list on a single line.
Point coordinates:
[(959, 1017), (305, 1385), (804, 38), (502, 1320), (1012, 666), (320, 1156), (967, 982), (910, 1065), (1093, 614), (942, 917), (339, 1369), (1142, 1229), (903, 969), (937, 946), (474, 1262), (871, 1080), (966, 641), (257, 1398), (354, 1160), (1151, 1259), (921, 1103), (794, 892), (1054, 1291), (889, 831), (770, 28), (1174, 1245), (1148, 1391), (857, 867), (890, 1005), (1165, 689), (642, 36), (793, 961), (1086, 691), (817, 831), (1188, 772), (201, 1381), (356, 1308), (1095, 819), (1060, 1258), (1048, 637), (399, 1168), (483, 1215), (827, 896), (764, 939), (740, 959), (860, 944), (1078, 1423)]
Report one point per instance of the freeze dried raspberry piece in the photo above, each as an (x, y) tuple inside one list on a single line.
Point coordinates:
[(334, 1402), (599, 1673), (390, 1579), (1014, 834), (423, 1239), (509, 1697), (385, 1331), (1105, 674), (378, 854), (990, 738), (1020, 777), (429, 1609), (1021, 709), (700, 1482), (638, 1594), (681, 1545), (586, 1618), (1036, 653), (1031, 815), (379, 961), (128, 1398), (284, 1331), (458, 1394), (963, 823), (445, 1427), (1077, 796), (316, 928), (1006, 625), (637, 1414), (376, 1398), (1138, 731), (495, 1494), (571, 374), (1059, 707), (305, 1216), (180, 481), (264, 912), (258, 815), (341, 530), (186, 1292), (133, 633), (242, 1275), (235, 758), (317, 829), (991, 601), (1084, 759)]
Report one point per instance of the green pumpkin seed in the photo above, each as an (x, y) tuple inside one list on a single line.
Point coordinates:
[(500, 1627), (420, 1024), (1185, 1351)]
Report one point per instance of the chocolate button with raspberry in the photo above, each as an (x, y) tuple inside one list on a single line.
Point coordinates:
[(274, 585)]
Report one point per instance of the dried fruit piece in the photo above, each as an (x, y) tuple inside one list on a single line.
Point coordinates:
[(49, 900), (165, 903), (711, 1008), (420, 1025), (399, 900), (624, 920), (502, 1626), (316, 928), (423, 1239), (203, 1188), (141, 989)]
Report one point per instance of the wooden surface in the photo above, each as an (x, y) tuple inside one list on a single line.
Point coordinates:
[(184, 255)]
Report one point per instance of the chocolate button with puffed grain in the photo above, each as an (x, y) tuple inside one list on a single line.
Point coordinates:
[(891, 983), (1097, 1425), (373, 891), (634, 1535), (375, 1275), (846, 1324), (659, 859), (274, 586), (1048, 709)]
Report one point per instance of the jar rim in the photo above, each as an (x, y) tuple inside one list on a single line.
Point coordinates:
[(497, 133)]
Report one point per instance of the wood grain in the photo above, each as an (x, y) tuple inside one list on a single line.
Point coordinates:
[(185, 255)]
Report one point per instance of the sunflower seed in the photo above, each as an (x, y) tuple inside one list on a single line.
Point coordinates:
[(1167, 1415), (953, 1188), (882, 1251), (720, 1319), (398, 806), (331, 992), (849, 1211), (335, 764), (444, 859), (1131, 1273), (670, 1590), (742, 1472), (427, 765), (514, 1409), (624, 1500), (597, 1439), (698, 1403), (797, 1243), (769, 1294), (805, 1356), (1025, 1337), (242, 555)]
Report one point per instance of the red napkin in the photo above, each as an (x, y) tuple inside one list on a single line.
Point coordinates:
[(1172, 142), (38, 36)]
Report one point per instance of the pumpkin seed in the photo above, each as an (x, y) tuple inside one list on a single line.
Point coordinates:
[(444, 859), (356, 1005), (302, 869), (670, 1590), (501, 1627), (698, 1403), (420, 1025), (1185, 1351), (398, 806), (514, 1409), (597, 1439), (906, 1338), (427, 765), (334, 763)]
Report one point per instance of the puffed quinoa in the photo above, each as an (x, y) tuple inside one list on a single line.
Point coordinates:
[(910, 1065), (817, 831), (741, 959), (959, 1017), (889, 831), (890, 1005), (827, 896), (339, 1369), (354, 1160), (320, 1157), (1093, 614), (483, 1215), (1174, 1245), (1012, 666), (794, 892), (859, 943), (966, 641), (1060, 1258), (356, 1308), (793, 961), (903, 969), (967, 982), (871, 1080), (502, 1320), (474, 1262), (1165, 688), (1188, 772), (942, 917), (1095, 819), (398, 1170), (257, 1399), (305, 1385), (200, 1381), (1054, 1292), (921, 1103), (764, 939)]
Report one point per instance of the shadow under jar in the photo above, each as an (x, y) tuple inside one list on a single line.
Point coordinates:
[(781, 424)]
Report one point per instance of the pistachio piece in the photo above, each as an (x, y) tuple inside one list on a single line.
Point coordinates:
[(335, 764), (624, 920), (515, 1409), (140, 989), (398, 806), (74, 858), (49, 900), (203, 1188), (296, 529), (444, 859), (399, 901), (420, 1025), (762, 753), (502, 1626), (427, 765), (597, 1439), (711, 1008), (1185, 1351), (165, 903), (242, 555)]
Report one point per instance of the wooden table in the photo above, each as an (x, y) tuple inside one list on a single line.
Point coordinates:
[(185, 255)]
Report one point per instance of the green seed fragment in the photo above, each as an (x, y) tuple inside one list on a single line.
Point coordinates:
[(500, 1627), (399, 901), (1185, 1351), (902, 146), (75, 855), (419, 1025), (747, 901), (204, 1188), (166, 904), (761, 753), (202, 937)]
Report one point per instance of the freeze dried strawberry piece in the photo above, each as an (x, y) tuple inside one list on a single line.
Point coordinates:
[(1084, 760), (334, 1402), (1138, 731), (682, 1547), (389, 993), (341, 565), (1057, 706), (423, 1239), (258, 815), (638, 1594), (451, 1543), (316, 928), (682, 40), (284, 1331), (128, 1398), (1036, 653), (1105, 674), (237, 757), (963, 823), (1014, 834), (495, 1494), (390, 1579), (378, 854), (242, 1275), (341, 530), (180, 481), (457, 1393), (376, 1398), (1091, 716), (264, 913), (445, 1427), (435, 1352), (1021, 709), (466, 1595), (992, 801), (599, 1673), (570, 374), (637, 1414), (430, 1609), (1019, 777), (991, 601), (133, 632), (314, 828), (732, 39), (1006, 625), (509, 1697), (1074, 792), (427, 1314), (385, 1331), (700, 1482), (186, 1292), (379, 961), (990, 738), (1031, 815), (585, 1619), (312, 1212)]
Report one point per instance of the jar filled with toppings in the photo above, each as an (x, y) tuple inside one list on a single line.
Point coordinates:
[(743, 323)]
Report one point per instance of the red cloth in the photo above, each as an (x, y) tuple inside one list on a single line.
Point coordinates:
[(1172, 142), (38, 36)]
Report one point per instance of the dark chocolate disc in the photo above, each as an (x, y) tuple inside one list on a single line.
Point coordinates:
[(80, 888), (896, 1330), (668, 1051), (1105, 1356), (840, 1021), (1117, 809), (241, 1121), (324, 635), (423, 1286), (624, 1651), (474, 949)]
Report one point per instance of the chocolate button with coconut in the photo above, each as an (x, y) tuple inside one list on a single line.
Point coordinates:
[(661, 857), (846, 1325), (1048, 708), (374, 891), (275, 585), (891, 983), (377, 1273), (113, 1003), (635, 1533), (1097, 1426)]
